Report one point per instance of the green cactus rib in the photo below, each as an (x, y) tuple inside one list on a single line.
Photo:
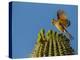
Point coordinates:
[(59, 45), (45, 51), (51, 44)]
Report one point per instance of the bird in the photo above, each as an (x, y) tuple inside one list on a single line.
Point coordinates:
[(62, 23)]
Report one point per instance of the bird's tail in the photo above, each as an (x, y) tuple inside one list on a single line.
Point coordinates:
[(68, 35)]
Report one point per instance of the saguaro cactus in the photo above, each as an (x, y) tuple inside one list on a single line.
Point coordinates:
[(51, 44)]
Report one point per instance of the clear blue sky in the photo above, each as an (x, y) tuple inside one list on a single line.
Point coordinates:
[(29, 18)]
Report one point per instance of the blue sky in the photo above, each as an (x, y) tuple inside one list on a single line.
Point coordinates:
[(29, 18)]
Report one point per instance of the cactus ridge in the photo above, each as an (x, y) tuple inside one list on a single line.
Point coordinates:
[(51, 44)]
